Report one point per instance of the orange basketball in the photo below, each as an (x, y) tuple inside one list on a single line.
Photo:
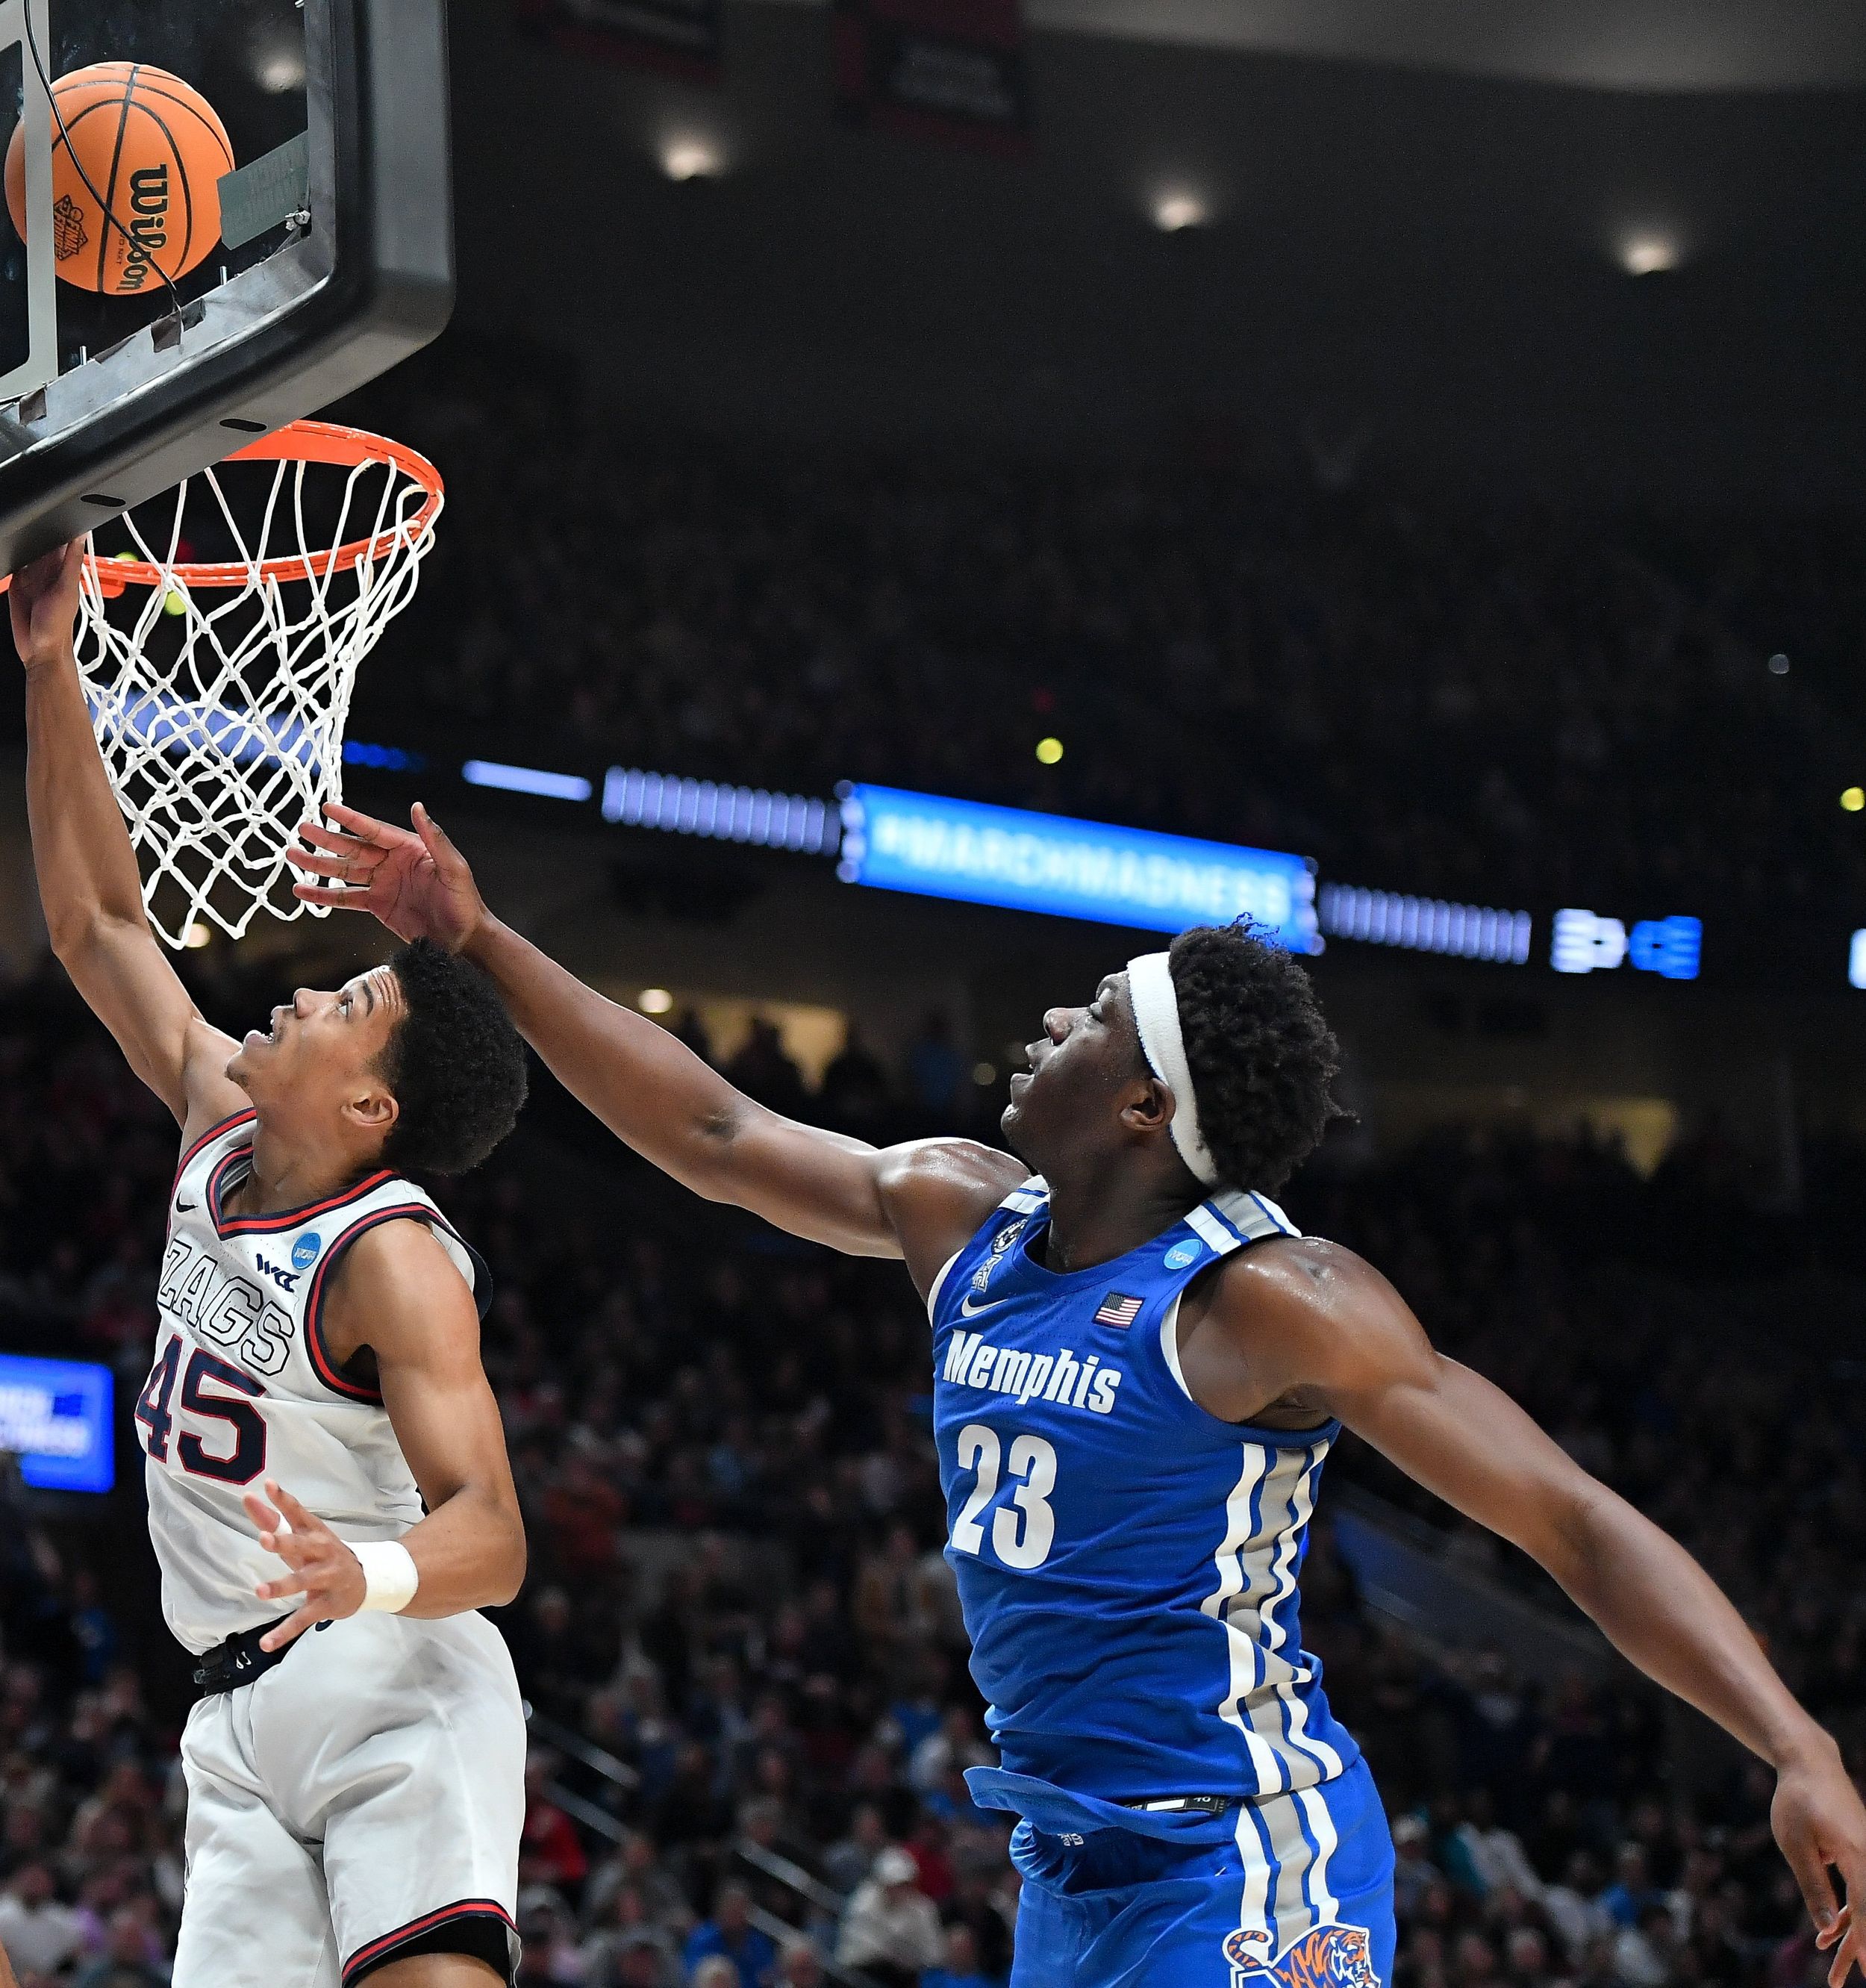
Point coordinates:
[(154, 151)]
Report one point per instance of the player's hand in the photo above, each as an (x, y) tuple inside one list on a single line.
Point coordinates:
[(319, 1566), (1820, 1823), (42, 600), (416, 882)]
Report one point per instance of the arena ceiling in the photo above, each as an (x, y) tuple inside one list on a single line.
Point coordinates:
[(1633, 45)]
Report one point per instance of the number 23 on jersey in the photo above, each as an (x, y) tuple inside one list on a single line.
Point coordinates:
[(1024, 1529)]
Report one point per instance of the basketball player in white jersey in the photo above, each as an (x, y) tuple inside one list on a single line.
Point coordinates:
[(324, 1453)]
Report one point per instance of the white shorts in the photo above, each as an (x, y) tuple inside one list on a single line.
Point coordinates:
[(358, 1797)]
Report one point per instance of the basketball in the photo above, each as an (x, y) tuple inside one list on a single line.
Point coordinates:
[(154, 150)]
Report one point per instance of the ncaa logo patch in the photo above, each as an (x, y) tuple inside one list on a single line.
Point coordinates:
[(304, 1250), (1328, 1956), (1182, 1253)]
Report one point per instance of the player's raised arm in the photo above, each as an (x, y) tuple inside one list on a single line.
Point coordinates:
[(919, 1202), (88, 881), (1322, 1328)]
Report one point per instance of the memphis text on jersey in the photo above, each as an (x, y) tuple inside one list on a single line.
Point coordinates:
[(1061, 1378)]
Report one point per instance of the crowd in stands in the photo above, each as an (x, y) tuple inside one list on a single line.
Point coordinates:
[(741, 1639), (1519, 710)]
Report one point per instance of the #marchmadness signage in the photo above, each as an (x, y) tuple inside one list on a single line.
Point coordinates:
[(938, 848)]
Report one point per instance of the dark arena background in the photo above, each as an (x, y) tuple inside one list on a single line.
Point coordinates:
[(1416, 446)]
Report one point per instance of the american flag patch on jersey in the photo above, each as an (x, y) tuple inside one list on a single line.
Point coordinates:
[(1119, 1309)]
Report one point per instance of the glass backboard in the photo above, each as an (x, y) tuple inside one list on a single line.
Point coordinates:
[(220, 215)]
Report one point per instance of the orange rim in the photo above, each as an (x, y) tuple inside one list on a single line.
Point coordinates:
[(297, 441)]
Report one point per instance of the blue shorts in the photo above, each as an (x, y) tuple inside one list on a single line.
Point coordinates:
[(1294, 1891)]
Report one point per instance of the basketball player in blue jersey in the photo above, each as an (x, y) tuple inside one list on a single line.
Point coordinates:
[(1139, 1368)]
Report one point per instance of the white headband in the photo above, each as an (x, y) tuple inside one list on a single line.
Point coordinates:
[(1156, 1013)]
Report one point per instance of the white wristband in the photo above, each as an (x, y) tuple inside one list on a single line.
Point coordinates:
[(390, 1576)]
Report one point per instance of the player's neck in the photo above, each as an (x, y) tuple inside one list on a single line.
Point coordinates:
[(288, 1173), (1103, 1209)]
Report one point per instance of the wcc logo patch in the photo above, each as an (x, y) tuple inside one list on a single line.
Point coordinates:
[(1328, 1956)]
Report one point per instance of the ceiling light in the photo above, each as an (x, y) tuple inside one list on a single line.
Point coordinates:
[(1049, 751), (1853, 800), (283, 70), (691, 158), (196, 936), (1649, 254), (656, 1001), (1173, 212)]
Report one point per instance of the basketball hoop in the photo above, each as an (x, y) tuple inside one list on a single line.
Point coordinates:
[(219, 689)]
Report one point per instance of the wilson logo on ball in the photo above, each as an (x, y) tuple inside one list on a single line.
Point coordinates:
[(148, 225)]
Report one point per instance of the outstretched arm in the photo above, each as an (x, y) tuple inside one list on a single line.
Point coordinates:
[(397, 1293), (1320, 1325), (88, 881), (919, 1201)]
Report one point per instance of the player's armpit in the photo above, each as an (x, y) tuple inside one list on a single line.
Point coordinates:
[(397, 1293), (936, 1192)]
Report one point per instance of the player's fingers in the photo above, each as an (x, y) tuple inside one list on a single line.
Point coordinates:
[(365, 827), (354, 865), (1804, 1857), (261, 1514), (1828, 1935), (317, 863), (294, 1625), (1851, 1953), (302, 1520), (276, 1591), (440, 845), (331, 894), (314, 831)]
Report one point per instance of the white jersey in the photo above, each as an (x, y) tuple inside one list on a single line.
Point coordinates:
[(244, 1389)]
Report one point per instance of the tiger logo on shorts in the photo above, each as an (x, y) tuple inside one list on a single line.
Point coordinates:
[(1326, 1956)]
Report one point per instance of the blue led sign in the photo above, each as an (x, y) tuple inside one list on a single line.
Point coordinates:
[(54, 1414), (939, 847)]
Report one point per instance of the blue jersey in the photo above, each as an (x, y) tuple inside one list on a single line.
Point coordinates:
[(1126, 1562)]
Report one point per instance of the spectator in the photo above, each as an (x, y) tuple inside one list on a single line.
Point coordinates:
[(131, 1957), (38, 1933), (936, 1070), (550, 1851), (729, 1936), (960, 1968), (800, 1966), (891, 1929), (849, 1859)]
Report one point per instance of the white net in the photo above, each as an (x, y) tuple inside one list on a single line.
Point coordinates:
[(220, 691)]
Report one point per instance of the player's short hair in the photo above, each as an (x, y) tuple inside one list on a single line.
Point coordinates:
[(1261, 1055), (455, 1062)]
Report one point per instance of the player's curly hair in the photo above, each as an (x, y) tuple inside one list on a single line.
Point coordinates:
[(455, 1063), (1261, 1055)]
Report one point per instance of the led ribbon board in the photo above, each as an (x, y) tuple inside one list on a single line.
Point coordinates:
[(54, 1414), (938, 847)]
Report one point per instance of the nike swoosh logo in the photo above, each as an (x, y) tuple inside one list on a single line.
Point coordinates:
[(968, 1309), (185, 1207)]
